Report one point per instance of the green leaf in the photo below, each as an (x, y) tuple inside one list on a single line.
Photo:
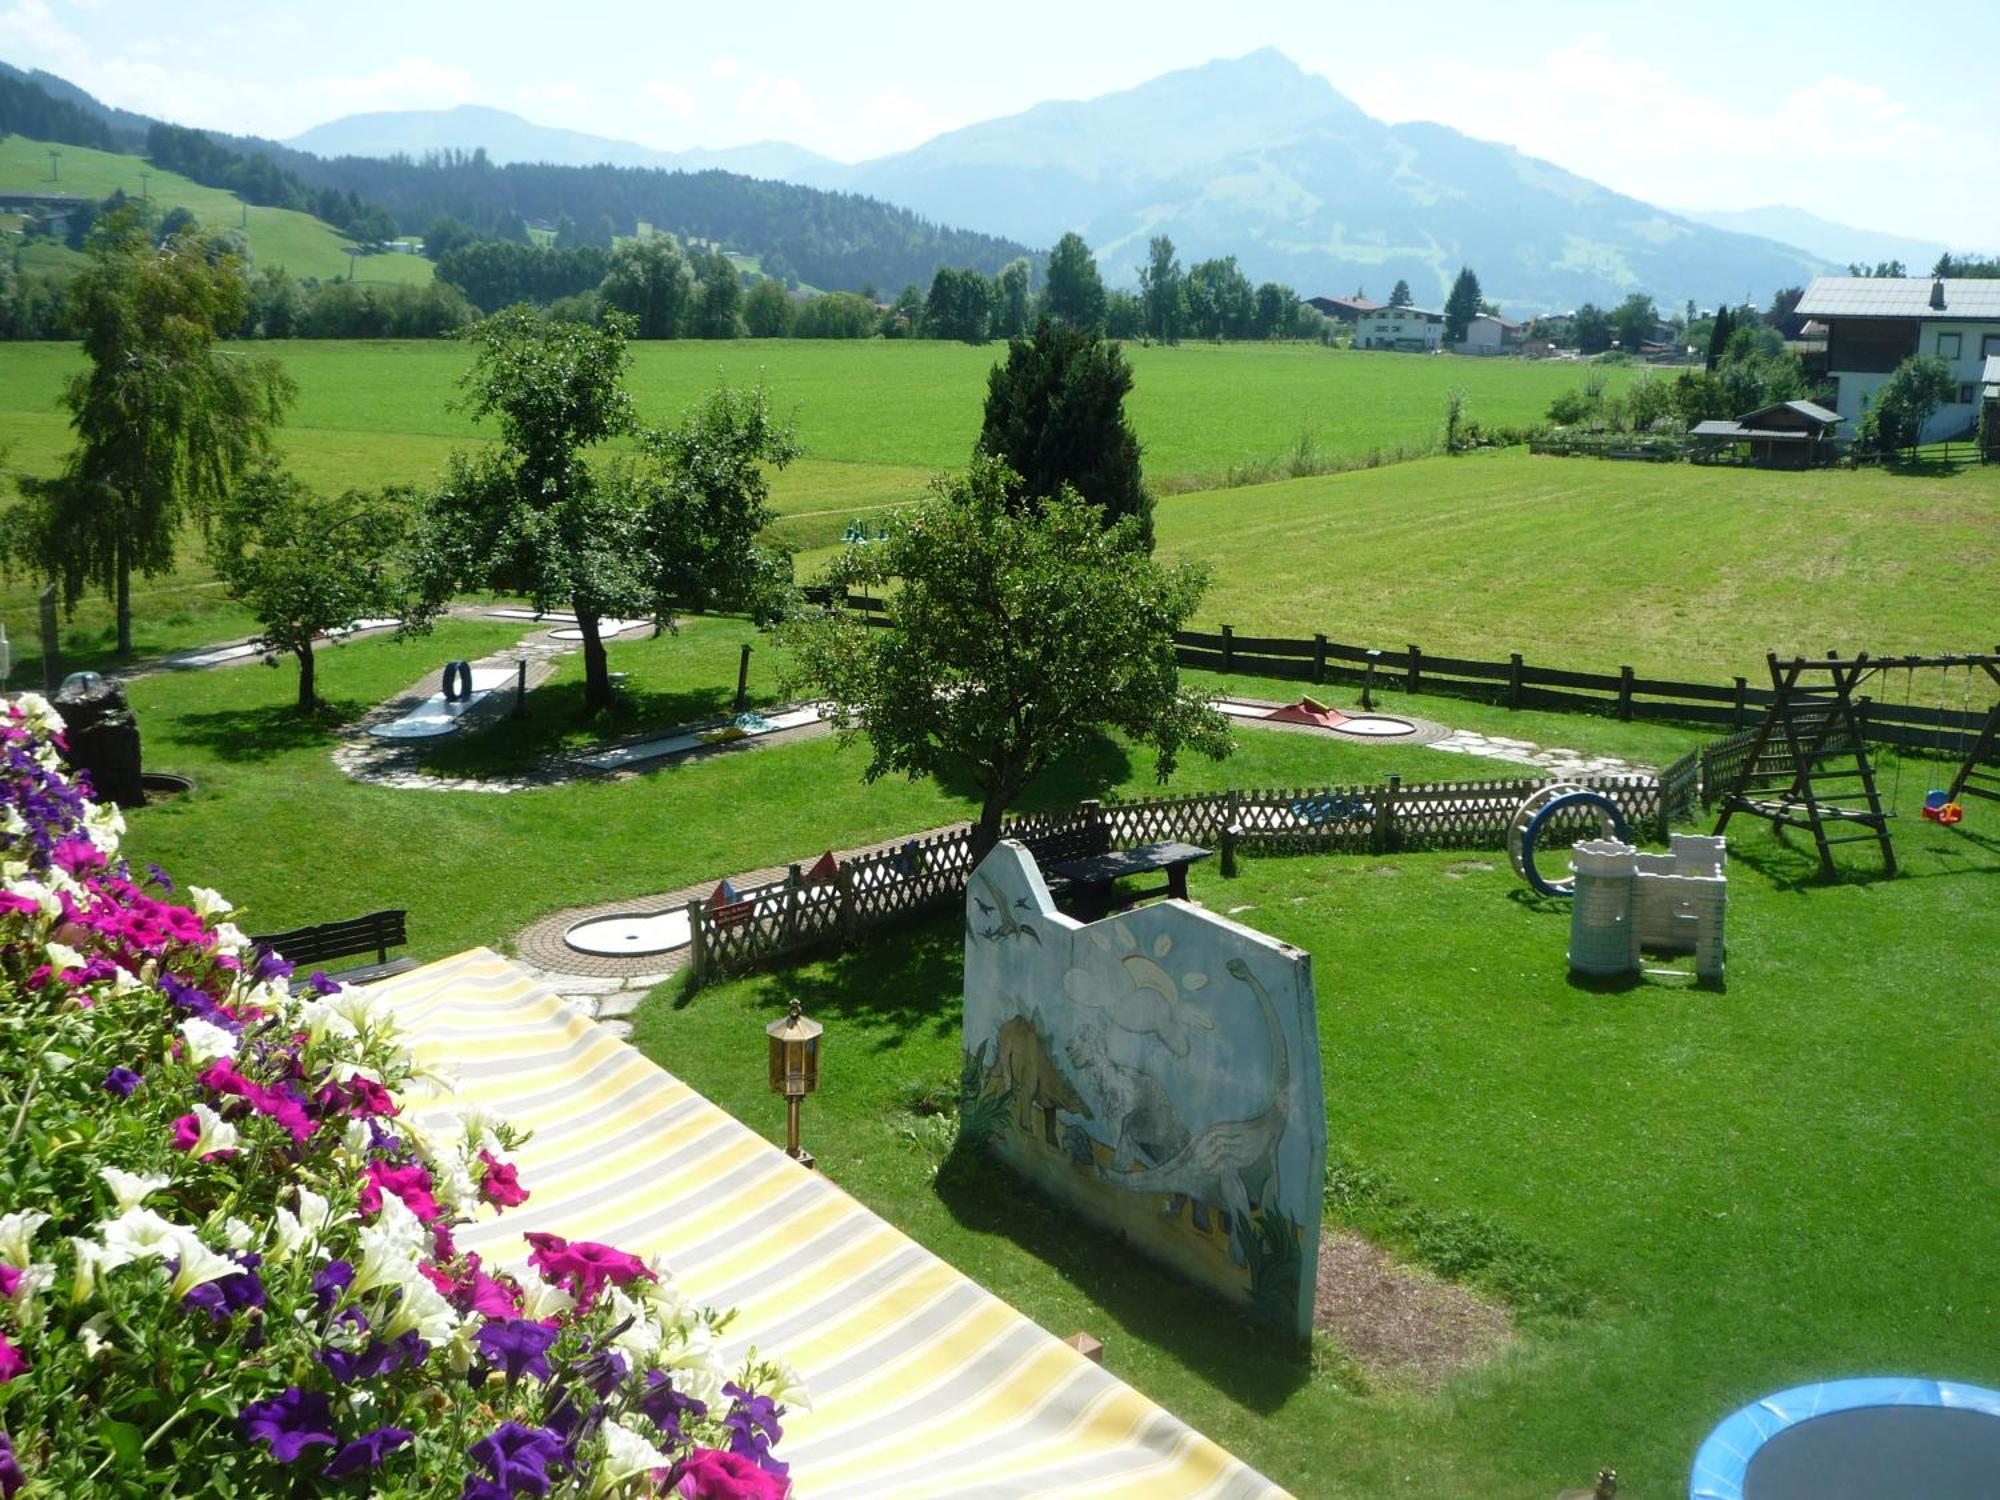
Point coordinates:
[(122, 1438)]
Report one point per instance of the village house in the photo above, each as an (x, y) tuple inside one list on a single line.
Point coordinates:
[(1410, 329), (1874, 323), (1343, 309), (1489, 333)]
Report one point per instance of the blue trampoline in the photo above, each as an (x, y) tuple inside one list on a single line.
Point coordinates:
[(1872, 1439)]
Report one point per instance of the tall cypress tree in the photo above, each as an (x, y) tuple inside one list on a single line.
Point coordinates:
[(1718, 336), (1462, 306)]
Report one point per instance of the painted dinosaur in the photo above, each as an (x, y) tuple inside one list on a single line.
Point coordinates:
[(1226, 1161), (1137, 1113), (1007, 925), (1021, 1059)]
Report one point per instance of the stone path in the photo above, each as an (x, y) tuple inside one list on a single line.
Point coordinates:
[(1528, 753)]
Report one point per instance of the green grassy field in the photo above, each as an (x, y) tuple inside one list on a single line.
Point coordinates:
[(284, 237), (1736, 1190), (1583, 564)]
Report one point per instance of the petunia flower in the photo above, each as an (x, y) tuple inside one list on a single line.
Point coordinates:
[(585, 1267), (366, 1452), (712, 1474), (290, 1423), (518, 1457), (516, 1347), (205, 1134), (627, 1454), (12, 1361), (198, 1265), (17, 1231), (752, 1423), (501, 1184), (12, 1480), (130, 1189), (668, 1407), (121, 1081)]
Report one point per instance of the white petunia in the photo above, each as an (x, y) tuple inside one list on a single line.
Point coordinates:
[(321, 1021), (237, 1235), (208, 903), (103, 824), (539, 1300), (390, 1247), (627, 1454), (421, 1307), (130, 1189), (698, 1371), (217, 1134), (136, 1234), (229, 938), (62, 958), (199, 1265), (45, 899), (91, 1335), (16, 1231), (786, 1386), (639, 1336), (89, 1256), (207, 1041)]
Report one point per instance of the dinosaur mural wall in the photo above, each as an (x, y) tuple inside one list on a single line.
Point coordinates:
[(1157, 1071)]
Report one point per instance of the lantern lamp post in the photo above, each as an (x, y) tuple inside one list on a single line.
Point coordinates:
[(794, 1071)]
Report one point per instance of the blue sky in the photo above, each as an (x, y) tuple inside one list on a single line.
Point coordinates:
[(1854, 111)]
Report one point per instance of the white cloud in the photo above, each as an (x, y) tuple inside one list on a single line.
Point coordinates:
[(781, 106), (1843, 148), (670, 96)]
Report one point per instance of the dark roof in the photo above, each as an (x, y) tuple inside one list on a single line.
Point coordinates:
[(1812, 411), (1737, 432), (1899, 297)]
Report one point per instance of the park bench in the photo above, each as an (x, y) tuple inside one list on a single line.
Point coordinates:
[(1090, 879), (308, 947)]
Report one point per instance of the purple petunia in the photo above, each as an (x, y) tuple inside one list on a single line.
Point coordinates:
[(376, 1358), (11, 1477), (603, 1370), (366, 1452), (270, 966), (669, 1407), (290, 1423), (156, 876), (230, 1294), (336, 1278), (121, 1081), (518, 1458), (319, 984), (753, 1427), (518, 1346)]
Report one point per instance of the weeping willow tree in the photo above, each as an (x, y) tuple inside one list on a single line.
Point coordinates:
[(165, 420)]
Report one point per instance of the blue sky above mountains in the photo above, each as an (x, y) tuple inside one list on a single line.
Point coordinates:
[(1856, 114)]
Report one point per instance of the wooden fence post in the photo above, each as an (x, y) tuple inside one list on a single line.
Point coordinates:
[(697, 943), (843, 880), (1385, 814), (1319, 657), (1368, 683), (1624, 692), (1513, 679), (1228, 650), (788, 930), (1416, 672), (1742, 702), (743, 678)]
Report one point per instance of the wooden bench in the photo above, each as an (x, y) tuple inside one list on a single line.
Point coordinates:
[(377, 933), (1090, 879)]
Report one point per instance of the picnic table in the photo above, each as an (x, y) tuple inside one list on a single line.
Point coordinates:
[(1092, 878)]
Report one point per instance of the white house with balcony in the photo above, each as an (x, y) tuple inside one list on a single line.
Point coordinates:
[(1488, 333), (1410, 329), (1874, 323)]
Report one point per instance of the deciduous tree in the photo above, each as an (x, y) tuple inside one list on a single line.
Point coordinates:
[(1906, 403), (1160, 290), (1022, 638), (307, 564), (165, 420), (767, 310), (1055, 416), (650, 280)]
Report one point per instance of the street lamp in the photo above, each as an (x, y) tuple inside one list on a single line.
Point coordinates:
[(794, 1071)]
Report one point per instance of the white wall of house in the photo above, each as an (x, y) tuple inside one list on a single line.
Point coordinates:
[(1963, 345), (1399, 328), (1485, 334)]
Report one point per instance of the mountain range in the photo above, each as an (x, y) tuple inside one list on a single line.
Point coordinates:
[(1249, 156)]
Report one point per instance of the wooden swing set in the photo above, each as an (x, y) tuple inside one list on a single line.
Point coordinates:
[(1808, 766)]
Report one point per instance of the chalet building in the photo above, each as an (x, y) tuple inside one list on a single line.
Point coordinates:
[(1874, 323), (1989, 406), (1785, 435), (1413, 330), (1488, 334), (1343, 309)]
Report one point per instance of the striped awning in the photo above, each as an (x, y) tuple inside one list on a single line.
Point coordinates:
[(922, 1382)]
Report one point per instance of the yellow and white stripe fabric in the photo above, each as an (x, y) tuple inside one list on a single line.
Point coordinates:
[(923, 1383)]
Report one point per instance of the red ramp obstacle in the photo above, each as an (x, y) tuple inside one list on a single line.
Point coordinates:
[(1308, 711)]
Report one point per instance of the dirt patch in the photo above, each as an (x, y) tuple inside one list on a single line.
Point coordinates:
[(1459, 869), (1400, 1323)]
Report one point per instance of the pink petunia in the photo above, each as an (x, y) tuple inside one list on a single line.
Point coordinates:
[(412, 1184), (10, 1278), (501, 1185), (12, 1361), (714, 1474), (584, 1268)]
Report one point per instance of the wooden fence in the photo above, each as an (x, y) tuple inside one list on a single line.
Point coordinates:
[(924, 875)]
